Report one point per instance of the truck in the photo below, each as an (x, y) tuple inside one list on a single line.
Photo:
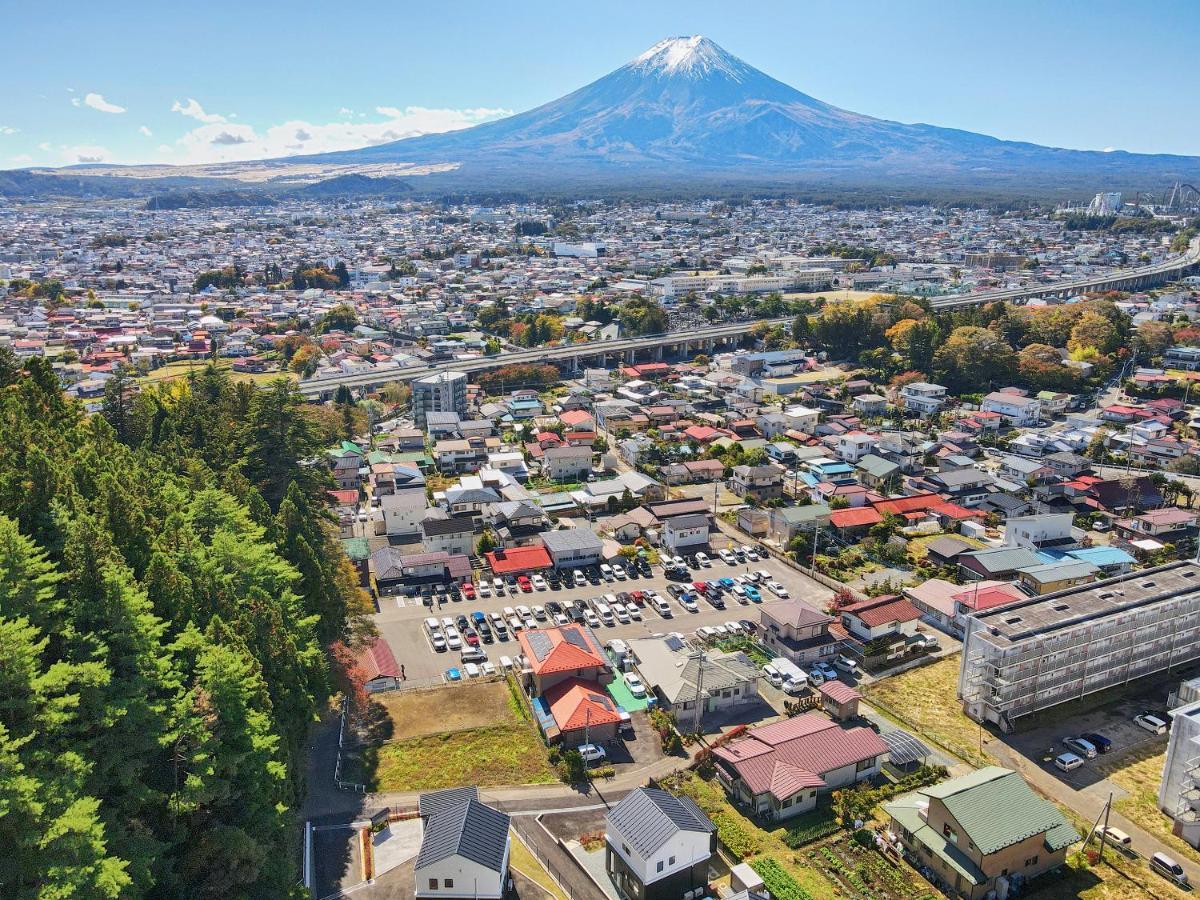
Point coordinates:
[(795, 679)]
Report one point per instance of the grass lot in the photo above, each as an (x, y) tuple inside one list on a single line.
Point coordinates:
[(456, 736), (527, 864), (924, 700), (844, 294), (1140, 773), (175, 370), (1119, 878), (420, 713)]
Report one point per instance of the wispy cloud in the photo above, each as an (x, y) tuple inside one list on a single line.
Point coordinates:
[(97, 102), (145, 131), (222, 141), (8, 129), (194, 110)]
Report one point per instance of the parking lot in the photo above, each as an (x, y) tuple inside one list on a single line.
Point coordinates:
[(400, 618)]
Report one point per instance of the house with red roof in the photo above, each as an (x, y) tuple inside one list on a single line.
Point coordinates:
[(519, 560), (779, 769), (378, 667), (583, 712), (566, 652), (880, 617)]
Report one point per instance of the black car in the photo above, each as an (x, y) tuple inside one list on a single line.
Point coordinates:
[(485, 632), (593, 574), (1097, 740), (462, 623), (553, 580), (578, 612), (715, 601), (553, 607)]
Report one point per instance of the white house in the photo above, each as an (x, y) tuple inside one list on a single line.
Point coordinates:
[(657, 846), (464, 847), (454, 534), (567, 463), (685, 534), (854, 445), (1040, 532), (802, 418), (403, 511), (1013, 408), (922, 398)]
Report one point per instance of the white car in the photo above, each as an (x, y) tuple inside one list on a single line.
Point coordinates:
[(580, 579), (727, 557), (763, 575), (497, 619), (539, 583), (706, 633), (438, 641), (750, 553), (777, 589), (733, 627), (453, 639), (1153, 724), (526, 613), (661, 607), (619, 572), (619, 611), (591, 753), (506, 662), (484, 589), (560, 619), (539, 613), (634, 612), (509, 612), (591, 618), (739, 591), (635, 685), (514, 624), (686, 601), (679, 562), (498, 586), (489, 668), (530, 624), (471, 670), (703, 559)]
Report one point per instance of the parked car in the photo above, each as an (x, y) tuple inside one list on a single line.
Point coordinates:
[(622, 614), (438, 641), (703, 559), (506, 662), (1167, 867), (484, 589), (1114, 835), (524, 584), (734, 628), (592, 754), (1080, 746), (580, 579), (636, 686), (753, 594), (514, 624), (452, 674), (606, 572), (777, 589), (1067, 762), (688, 602), (1097, 740), (618, 571), (472, 670), (453, 638), (828, 672), (706, 633), (468, 591), (772, 675), (498, 586), (662, 607), (749, 552), (727, 557), (592, 619), (539, 613), (1153, 724), (539, 583), (845, 664), (488, 668)]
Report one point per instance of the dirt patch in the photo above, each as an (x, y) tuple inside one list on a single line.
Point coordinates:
[(414, 714)]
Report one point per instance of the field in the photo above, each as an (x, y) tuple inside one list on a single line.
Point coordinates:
[(456, 736), (415, 714), (844, 294), (924, 700), (175, 370), (1140, 773)]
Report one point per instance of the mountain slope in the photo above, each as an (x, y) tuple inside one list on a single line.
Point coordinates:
[(688, 106)]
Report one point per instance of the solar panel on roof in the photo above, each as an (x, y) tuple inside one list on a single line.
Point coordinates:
[(540, 644), (903, 748), (573, 636)]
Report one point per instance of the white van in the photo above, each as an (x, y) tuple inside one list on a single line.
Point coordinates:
[(1169, 869), (662, 607), (772, 675), (604, 612), (606, 572), (433, 626)]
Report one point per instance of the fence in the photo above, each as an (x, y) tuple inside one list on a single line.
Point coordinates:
[(341, 785), (564, 870)]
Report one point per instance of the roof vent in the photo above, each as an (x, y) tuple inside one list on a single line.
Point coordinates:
[(1061, 607), (1106, 595), (1012, 620), (1146, 584)]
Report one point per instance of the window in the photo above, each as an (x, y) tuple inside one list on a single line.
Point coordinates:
[(864, 764), (660, 866), (949, 833), (671, 861), (786, 803), (625, 848), (433, 884), (1032, 861)]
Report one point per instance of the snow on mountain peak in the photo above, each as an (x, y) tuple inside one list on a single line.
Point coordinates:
[(695, 56)]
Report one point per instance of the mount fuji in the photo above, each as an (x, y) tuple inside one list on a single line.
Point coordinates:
[(686, 108)]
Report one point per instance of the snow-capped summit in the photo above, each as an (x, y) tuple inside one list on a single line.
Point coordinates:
[(694, 57)]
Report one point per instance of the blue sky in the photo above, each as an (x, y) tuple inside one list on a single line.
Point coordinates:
[(135, 81)]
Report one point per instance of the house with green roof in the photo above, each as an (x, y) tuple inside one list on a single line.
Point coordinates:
[(982, 832)]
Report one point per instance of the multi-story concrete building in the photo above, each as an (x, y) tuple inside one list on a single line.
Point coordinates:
[(1179, 791), (922, 398), (443, 392), (1033, 655)]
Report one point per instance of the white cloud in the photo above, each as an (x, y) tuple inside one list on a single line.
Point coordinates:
[(223, 141), (8, 129), (21, 158), (146, 131), (75, 101), (195, 111), (44, 146), (345, 111), (97, 102), (165, 148)]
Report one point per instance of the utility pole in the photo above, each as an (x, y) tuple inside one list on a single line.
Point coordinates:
[(699, 657), (1104, 833)]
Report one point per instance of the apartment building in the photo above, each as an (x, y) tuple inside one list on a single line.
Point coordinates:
[(1013, 408), (1179, 791), (444, 392), (1033, 655)]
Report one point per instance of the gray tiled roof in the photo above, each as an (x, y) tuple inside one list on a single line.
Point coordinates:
[(647, 818), (457, 824)]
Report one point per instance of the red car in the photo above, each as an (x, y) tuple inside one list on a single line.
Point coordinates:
[(468, 591), (472, 637), (700, 587), (524, 584), (639, 597)]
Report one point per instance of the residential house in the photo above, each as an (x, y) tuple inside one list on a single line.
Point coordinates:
[(573, 548), (981, 833), (564, 653), (876, 472), (1048, 531), (966, 487), (789, 521), (998, 563), (886, 616), (378, 667), (1013, 408), (464, 847), (1056, 576), (795, 630), (778, 770), (454, 534), (685, 534), (757, 482), (852, 446), (403, 512), (869, 404), (923, 398), (1026, 471), (657, 846), (567, 463), (720, 682)]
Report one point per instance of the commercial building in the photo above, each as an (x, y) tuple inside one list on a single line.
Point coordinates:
[(573, 548), (1032, 655), (443, 392)]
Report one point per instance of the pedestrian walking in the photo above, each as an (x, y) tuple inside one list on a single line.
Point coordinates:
[(403, 677)]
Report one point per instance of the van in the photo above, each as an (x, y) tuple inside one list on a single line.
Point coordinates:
[(473, 655), (1068, 762), (772, 675), (432, 625), (1113, 835), (604, 612), (662, 607), (606, 572), (1169, 869)]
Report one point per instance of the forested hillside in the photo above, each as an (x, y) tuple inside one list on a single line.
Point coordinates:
[(168, 585)]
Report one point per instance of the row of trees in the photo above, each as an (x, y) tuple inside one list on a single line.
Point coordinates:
[(167, 583)]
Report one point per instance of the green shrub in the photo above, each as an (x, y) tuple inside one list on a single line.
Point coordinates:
[(813, 826), (736, 838)]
